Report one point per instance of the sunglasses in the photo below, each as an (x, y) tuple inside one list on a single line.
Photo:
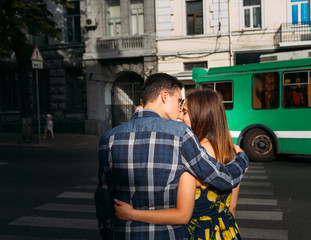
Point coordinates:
[(181, 104)]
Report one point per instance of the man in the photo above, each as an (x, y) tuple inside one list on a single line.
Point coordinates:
[(142, 160)]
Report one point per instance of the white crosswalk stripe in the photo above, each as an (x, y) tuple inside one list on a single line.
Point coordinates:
[(75, 223), (259, 215), (67, 207), (255, 193), (73, 210), (255, 233), (81, 195), (257, 201), (255, 184)]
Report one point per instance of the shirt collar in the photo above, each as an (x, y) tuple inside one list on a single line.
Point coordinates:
[(145, 113)]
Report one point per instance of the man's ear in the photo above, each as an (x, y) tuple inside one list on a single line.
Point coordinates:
[(164, 95)]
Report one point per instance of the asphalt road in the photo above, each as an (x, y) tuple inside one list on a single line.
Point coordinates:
[(48, 194)]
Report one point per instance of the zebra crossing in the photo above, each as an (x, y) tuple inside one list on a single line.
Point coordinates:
[(75, 210), (257, 207), (64, 213)]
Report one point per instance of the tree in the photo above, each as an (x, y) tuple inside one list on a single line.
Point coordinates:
[(20, 19)]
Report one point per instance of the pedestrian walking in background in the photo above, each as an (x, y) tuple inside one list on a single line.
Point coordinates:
[(49, 125)]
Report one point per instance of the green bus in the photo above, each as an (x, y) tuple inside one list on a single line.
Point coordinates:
[(268, 105)]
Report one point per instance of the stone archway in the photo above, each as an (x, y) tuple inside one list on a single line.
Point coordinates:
[(125, 96)]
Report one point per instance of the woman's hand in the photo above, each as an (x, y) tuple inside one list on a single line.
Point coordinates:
[(237, 149), (123, 210)]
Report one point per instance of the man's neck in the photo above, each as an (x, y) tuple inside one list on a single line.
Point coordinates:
[(155, 107)]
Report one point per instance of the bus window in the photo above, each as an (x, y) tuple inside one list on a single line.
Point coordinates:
[(266, 90), (296, 89), (225, 89)]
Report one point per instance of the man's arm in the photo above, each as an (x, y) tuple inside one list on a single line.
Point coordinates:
[(208, 169), (103, 199)]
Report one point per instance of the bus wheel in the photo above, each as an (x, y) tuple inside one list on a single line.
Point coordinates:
[(258, 146)]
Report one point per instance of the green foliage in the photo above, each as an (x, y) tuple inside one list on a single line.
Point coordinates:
[(18, 20)]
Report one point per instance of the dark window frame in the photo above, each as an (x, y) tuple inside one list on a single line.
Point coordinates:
[(75, 103), (229, 105), (293, 86), (263, 98), (195, 15), (199, 64), (10, 99), (251, 7), (73, 34)]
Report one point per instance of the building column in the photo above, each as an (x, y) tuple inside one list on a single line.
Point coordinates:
[(125, 17)]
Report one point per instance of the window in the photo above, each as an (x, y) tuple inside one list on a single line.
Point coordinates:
[(266, 90), (137, 17), (75, 89), (190, 65), (300, 11), (113, 12), (194, 17), (297, 89), (225, 88), (9, 99), (252, 13), (73, 22)]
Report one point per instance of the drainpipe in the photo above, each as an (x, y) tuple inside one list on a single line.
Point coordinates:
[(230, 35), (86, 17)]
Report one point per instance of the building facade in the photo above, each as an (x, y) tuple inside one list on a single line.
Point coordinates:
[(92, 77), (61, 82), (212, 33), (120, 52)]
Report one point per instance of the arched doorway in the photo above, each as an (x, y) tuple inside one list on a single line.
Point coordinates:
[(125, 96)]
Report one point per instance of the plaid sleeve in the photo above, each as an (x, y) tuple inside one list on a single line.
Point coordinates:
[(198, 162), (104, 173)]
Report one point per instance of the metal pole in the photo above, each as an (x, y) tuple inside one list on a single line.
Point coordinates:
[(230, 35), (38, 106)]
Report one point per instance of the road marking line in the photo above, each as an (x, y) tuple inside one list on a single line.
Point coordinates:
[(56, 222), (255, 191), (89, 187), (253, 201), (255, 164), (260, 215), (4, 163), (10, 237), (256, 167), (67, 208), (255, 184), (255, 233), (81, 195), (259, 177), (255, 171)]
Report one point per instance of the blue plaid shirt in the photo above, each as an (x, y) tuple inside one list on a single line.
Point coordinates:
[(142, 161)]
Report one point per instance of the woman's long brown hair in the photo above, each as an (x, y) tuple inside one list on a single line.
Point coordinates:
[(208, 120)]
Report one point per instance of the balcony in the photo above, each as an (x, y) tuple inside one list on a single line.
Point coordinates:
[(293, 35), (129, 46)]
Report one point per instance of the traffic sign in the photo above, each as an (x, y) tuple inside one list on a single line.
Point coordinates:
[(36, 55), (37, 64)]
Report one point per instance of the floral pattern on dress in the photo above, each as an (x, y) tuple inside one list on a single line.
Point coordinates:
[(211, 219)]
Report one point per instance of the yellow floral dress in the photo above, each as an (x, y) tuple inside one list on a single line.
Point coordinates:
[(211, 218)]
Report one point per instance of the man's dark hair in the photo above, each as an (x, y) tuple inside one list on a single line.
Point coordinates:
[(157, 82)]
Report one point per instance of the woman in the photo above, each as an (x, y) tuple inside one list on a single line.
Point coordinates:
[(213, 214)]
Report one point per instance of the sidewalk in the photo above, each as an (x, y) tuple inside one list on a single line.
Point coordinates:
[(61, 140)]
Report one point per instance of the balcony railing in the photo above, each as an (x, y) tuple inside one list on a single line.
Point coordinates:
[(290, 32), (124, 43)]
